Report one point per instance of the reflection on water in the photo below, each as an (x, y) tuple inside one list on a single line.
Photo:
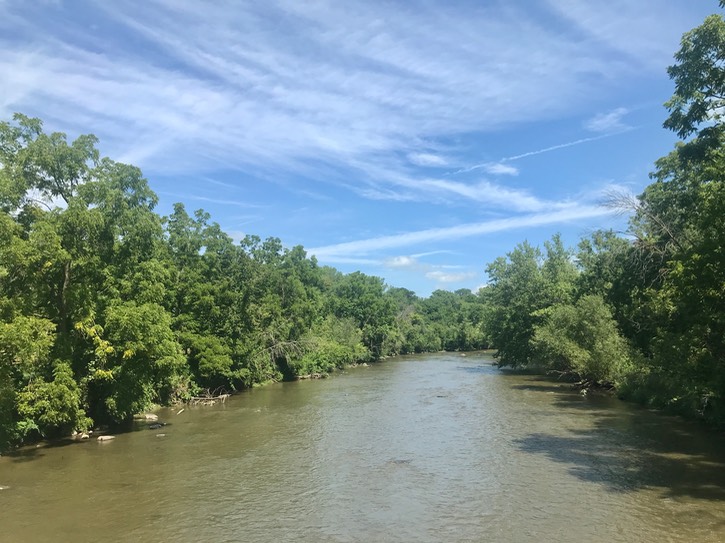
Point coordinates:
[(426, 448)]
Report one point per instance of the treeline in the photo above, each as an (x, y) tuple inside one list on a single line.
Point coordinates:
[(644, 312), (107, 308)]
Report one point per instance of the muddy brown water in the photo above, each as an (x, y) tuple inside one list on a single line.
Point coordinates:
[(422, 448)]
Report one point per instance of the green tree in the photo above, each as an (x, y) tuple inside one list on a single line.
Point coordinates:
[(582, 339), (699, 95), (362, 298), (145, 366), (514, 294)]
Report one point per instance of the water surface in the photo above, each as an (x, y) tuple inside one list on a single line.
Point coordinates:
[(426, 448)]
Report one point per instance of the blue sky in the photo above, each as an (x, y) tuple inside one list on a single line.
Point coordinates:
[(416, 141)]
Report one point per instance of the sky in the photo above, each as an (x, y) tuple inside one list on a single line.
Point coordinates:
[(412, 140)]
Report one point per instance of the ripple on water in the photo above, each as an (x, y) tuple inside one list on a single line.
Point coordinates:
[(422, 448)]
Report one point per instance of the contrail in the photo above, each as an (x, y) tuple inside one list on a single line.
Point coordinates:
[(555, 147), (544, 150)]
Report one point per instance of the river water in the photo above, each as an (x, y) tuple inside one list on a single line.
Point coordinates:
[(440, 448)]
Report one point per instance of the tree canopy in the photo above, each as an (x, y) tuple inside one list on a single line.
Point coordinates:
[(107, 308)]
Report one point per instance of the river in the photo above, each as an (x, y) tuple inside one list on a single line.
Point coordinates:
[(441, 448)]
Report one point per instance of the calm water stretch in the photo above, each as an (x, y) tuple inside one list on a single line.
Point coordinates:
[(426, 448)]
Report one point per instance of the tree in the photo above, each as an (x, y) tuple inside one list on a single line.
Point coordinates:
[(699, 95), (514, 294), (582, 339), (362, 298), (145, 364)]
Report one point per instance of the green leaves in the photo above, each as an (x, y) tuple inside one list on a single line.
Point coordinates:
[(147, 363), (581, 339), (52, 408), (516, 291), (25, 344), (699, 77)]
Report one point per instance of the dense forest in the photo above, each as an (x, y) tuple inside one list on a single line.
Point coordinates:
[(107, 308)]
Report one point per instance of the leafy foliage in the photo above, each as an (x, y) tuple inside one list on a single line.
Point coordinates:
[(582, 339), (106, 308), (645, 312)]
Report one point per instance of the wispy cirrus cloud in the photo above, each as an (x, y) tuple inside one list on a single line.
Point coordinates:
[(272, 85), (219, 201), (491, 194), (617, 26), (410, 239)]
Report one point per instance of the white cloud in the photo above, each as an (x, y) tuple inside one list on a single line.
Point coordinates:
[(273, 85), (619, 26), (443, 277), (431, 253), (218, 201), (401, 262), (380, 243), (429, 271), (334, 259), (608, 122), (427, 159), (491, 194), (500, 168)]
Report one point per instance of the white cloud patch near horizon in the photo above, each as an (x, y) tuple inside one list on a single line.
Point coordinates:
[(447, 277), (436, 272), (401, 262)]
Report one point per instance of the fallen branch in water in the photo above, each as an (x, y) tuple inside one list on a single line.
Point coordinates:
[(210, 398)]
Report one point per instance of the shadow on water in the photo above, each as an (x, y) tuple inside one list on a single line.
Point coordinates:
[(36, 451), (33, 452), (629, 448)]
